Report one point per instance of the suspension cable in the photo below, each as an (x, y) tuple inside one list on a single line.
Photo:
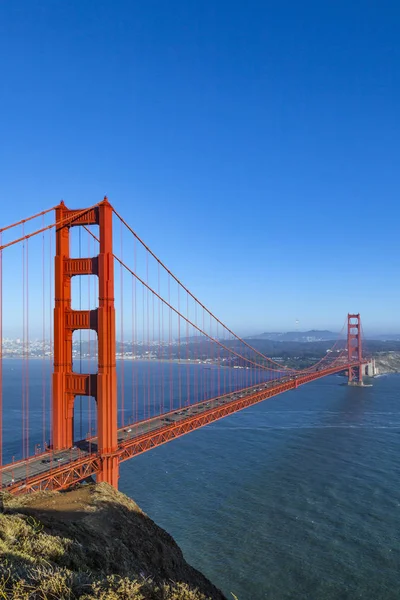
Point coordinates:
[(193, 296), (179, 314), (281, 367), (44, 212), (64, 221)]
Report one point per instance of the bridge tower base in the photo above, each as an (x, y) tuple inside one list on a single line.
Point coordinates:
[(354, 348), (103, 384)]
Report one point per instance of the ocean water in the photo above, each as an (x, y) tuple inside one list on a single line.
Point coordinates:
[(297, 497)]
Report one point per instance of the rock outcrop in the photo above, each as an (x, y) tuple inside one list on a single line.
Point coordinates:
[(93, 543)]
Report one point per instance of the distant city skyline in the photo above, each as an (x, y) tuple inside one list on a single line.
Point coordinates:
[(253, 147)]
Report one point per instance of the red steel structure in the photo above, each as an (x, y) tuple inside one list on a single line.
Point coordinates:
[(354, 348), (67, 384), (66, 461)]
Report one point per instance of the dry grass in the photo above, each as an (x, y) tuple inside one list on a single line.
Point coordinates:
[(107, 549)]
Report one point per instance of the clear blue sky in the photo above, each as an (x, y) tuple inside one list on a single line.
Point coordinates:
[(253, 145)]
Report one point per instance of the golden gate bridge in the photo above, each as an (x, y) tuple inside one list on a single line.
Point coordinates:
[(44, 286)]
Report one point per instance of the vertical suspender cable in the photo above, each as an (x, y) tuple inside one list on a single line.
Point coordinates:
[(148, 338), (163, 371), (219, 365), (179, 350), (135, 382), (144, 392), (187, 352), (80, 339), (23, 378), (195, 354), (27, 347), (226, 364), (153, 346), (133, 307), (204, 371), (212, 374), (89, 418), (160, 344), (122, 333), (170, 345), (43, 346), (1, 361), (51, 353)]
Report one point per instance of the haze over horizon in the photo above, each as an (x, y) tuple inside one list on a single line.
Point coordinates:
[(253, 147)]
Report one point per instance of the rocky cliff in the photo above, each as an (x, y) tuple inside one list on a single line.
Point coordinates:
[(91, 543), (387, 362)]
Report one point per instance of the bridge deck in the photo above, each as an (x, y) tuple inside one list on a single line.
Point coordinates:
[(59, 470)]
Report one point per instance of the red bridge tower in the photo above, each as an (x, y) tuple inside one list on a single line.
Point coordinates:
[(103, 384), (354, 348)]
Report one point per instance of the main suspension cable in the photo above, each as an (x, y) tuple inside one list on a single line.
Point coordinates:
[(62, 222), (194, 297), (23, 221), (179, 314)]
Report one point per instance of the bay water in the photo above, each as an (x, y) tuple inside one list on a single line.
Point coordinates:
[(297, 497)]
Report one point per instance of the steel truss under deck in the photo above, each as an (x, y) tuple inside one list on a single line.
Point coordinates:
[(64, 476)]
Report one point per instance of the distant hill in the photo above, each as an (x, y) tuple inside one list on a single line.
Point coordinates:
[(385, 337), (314, 335), (193, 338)]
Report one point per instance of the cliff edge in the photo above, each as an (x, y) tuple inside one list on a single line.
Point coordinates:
[(92, 543)]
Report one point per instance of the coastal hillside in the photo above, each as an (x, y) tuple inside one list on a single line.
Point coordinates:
[(91, 543), (387, 362)]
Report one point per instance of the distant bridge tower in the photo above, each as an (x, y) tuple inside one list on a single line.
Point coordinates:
[(103, 384), (354, 347)]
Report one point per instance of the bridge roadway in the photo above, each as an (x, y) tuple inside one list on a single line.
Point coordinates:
[(45, 470)]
